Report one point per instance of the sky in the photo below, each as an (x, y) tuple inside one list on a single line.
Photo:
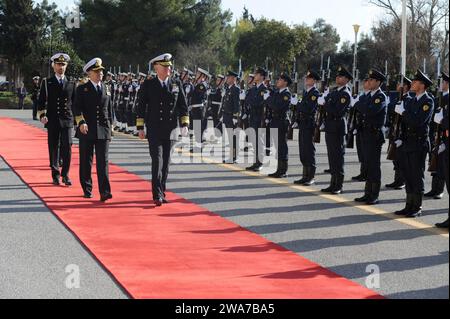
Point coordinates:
[(341, 14)]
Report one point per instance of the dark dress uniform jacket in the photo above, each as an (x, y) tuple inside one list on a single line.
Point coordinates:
[(255, 102), (416, 123), (94, 110), (279, 103), (336, 106), (60, 98), (161, 109), (307, 109)]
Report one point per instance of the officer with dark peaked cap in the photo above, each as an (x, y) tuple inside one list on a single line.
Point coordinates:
[(35, 95), (162, 105), (198, 99), (438, 177), (405, 87), (216, 97), (336, 106), (279, 102), (255, 103), (414, 143), (441, 119), (373, 118), (93, 111), (231, 110), (357, 130), (306, 114), (55, 112)]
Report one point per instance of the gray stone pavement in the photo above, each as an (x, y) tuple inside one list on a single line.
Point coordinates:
[(412, 258)]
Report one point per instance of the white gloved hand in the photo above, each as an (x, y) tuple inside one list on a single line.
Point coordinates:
[(267, 121), (242, 96), (130, 89), (266, 95), (294, 100), (321, 100), (208, 91), (188, 89), (442, 148), (223, 93), (295, 125), (184, 131), (325, 94), (235, 121), (322, 127), (400, 108), (244, 116), (439, 117), (354, 101), (355, 132), (398, 143)]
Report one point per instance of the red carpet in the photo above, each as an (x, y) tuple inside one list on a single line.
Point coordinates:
[(178, 251)]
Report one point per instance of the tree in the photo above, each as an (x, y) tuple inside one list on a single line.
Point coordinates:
[(17, 33), (125, 35), (323, 41), (274, 40), (427, 26)]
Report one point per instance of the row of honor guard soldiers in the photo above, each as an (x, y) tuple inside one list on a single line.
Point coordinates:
[(264, 106)]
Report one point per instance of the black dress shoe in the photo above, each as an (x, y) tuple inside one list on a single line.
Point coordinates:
[(67, 181), (56, 181), (327, 171), (327, 190), (357, 178), (87, 195), (414, 214), (442, 225), (104, 198), (158, 202), (165, 201), (438, 196)]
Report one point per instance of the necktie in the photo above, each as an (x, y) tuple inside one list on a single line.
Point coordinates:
[(99, 90), (164, 86), (61, 82)]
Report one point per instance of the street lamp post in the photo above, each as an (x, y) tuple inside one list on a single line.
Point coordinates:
[(355, 54)]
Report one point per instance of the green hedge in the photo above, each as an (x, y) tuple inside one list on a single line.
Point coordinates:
[(8, 100)]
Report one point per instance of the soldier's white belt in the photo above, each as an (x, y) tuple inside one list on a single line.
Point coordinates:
[(126, 98), (216, 103), (197, 105)]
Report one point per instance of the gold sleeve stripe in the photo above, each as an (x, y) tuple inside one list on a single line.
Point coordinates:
[(185, 120), (41, 113), (140, 122), (79, 119)]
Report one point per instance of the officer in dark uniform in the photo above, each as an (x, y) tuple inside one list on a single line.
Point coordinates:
[(55, 112), (306, 115), (124, 101), (336, 106), (373, 112), (93, 111), (255, 104), (162, 105), (414, 143), (198, 99), (441, 119), (279, 102), (357, 130), (34, 96), (231, 110), (405, 87), (216, 97), (438, 177)]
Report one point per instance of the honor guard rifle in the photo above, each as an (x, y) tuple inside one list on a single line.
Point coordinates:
[(394, 134), (293, 108), (320, 116), (353, 114), (433, 165)]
